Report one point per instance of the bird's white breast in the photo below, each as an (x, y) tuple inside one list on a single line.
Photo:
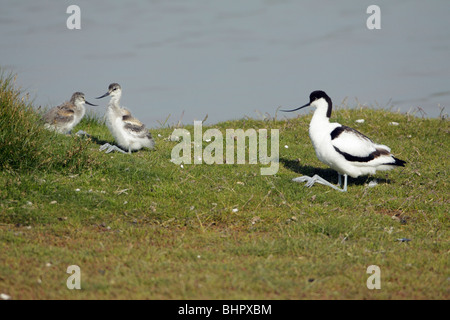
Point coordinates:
[(319, 132), (114, 124)]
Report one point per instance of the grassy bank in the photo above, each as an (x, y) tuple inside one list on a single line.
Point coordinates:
[(140, 226)]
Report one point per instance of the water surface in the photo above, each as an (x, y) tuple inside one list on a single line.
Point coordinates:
[(230, 58)]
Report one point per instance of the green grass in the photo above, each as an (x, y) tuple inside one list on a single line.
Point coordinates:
[(24, 143), (141, 227)]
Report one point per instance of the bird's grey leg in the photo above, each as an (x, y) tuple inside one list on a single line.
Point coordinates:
[(104, 147), (82, 133), (110, 148), (340, 181), (316, 178), (345, 183)]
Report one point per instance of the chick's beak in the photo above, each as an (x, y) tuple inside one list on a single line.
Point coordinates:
[(87, 102), (105, 95)]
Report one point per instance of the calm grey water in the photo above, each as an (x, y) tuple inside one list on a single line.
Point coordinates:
[(230, 58)]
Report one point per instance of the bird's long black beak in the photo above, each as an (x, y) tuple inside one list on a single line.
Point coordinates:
[(94, 105), (306, 105), (105, 95)]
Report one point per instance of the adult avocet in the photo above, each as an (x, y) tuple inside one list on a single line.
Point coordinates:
[(129, 133), (65, 117), (344, 149)]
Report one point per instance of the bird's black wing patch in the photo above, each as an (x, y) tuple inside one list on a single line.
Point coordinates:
[(370, 157), (339, 130)]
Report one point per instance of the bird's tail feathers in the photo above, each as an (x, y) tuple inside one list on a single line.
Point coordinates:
[(399, 162)]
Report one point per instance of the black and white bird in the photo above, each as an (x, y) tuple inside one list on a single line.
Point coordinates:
[(344, 149), (66, 116), (129, 133)]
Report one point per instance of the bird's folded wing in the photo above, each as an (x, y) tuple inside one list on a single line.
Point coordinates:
[(64, 114), (60, 114), (353, 143), (133, 125), (125, 112)]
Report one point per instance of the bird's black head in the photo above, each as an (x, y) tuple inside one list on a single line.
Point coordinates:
[(316, 95)]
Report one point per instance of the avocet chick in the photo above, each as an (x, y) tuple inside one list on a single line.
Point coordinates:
[(65, 117), (129, 133)]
